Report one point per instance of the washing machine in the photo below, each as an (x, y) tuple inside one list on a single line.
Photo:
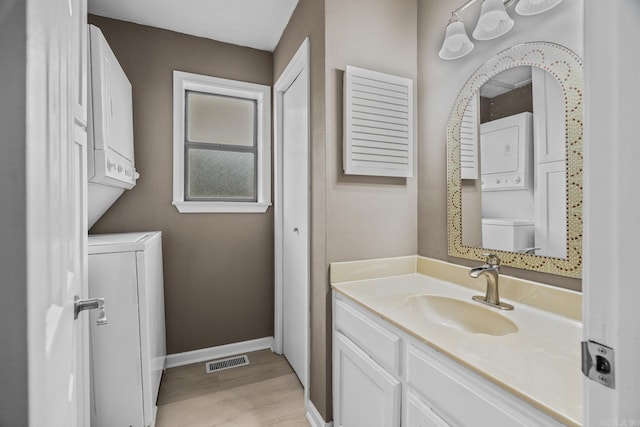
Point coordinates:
[(508, 234), (128, 353)]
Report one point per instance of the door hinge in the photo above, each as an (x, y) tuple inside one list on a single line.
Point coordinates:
[(598, 363)]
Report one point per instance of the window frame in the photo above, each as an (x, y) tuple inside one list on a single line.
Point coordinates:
[(261, 94)]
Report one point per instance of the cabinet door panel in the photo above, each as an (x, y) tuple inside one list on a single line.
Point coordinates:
[(365, 394), (377, 341), (420, 415), (79, 60)]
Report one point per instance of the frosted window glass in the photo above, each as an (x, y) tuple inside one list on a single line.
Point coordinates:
[(220, 119), (214, 174)]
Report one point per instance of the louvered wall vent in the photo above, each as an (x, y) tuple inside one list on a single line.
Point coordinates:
[(222, 364), (378, 124)]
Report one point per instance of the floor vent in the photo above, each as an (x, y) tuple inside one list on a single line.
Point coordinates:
[(222, 364)]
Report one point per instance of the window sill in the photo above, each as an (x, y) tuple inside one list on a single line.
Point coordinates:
[(221, 207)]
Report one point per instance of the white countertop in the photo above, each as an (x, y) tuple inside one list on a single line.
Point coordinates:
[(539, 363)]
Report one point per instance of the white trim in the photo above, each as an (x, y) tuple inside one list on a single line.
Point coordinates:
[(611, 206), (202, 355), (298, 64), (314, 417), (183, 81), (221, 207)]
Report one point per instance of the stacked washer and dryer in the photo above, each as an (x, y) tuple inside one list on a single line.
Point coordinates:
[(128, 353)]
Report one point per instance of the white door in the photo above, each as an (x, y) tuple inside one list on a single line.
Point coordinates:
[(295, 224), (56, 212), (365, 395), (612, 206)]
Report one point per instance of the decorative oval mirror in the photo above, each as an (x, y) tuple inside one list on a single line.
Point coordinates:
[(514, 153)]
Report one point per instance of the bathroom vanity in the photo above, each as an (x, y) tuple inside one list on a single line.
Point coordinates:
[(411, 348)]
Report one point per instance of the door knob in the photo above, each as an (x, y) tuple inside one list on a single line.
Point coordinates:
[(80, 305)]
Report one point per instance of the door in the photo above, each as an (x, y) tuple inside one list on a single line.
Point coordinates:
[(56, 213), (612, 206), (295, 224), (365, 395)]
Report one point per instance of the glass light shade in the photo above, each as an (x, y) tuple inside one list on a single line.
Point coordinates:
[(533, 7), (493, 22), (456, 42)]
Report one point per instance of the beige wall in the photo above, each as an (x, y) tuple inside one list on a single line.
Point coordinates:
[(439, 83), (367, 217), (352, 217), (308, 21), (218, 268)]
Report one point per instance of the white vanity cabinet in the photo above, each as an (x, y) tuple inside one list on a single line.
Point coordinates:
[(384, 376), (367, 395), (366, 363)]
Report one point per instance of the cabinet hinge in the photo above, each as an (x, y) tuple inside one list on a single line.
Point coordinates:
[(598, 363)]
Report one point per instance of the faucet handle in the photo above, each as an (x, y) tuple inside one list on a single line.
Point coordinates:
[(492, 259)]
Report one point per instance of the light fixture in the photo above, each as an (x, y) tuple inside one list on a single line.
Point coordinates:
[(493, 22), (533, 7), (456, 42)]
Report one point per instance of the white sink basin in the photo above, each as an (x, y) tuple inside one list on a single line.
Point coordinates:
[(461, 315)]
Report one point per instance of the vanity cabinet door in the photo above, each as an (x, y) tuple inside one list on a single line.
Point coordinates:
[(370, 335), (365, 395), (420, 415)]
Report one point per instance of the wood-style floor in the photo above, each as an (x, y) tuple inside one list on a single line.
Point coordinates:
[(264, 393)]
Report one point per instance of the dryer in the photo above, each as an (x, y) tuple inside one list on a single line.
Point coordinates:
[(110, 157)]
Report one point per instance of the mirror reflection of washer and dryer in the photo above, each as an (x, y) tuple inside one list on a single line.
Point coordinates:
[(513, 145)]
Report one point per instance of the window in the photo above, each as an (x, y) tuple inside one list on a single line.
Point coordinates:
[(221, 145)]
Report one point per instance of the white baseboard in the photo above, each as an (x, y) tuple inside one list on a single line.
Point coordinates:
[(314, 417), (202, 355)]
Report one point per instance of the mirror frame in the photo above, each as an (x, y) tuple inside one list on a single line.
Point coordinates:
[(566, 67)]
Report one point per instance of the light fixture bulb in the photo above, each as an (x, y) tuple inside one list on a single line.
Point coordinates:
[(534, 7), (456, 42), (493, 22)]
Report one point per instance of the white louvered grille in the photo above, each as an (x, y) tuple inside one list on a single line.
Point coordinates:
[(378, 124), (469, 141), (222, 364)]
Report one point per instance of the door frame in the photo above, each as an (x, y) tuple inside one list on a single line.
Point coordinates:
[(611, 206), (297, 65)]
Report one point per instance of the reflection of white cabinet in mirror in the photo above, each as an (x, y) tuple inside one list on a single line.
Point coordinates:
[(550, 211), (468, 141)]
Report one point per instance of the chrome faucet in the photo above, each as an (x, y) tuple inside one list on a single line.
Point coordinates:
[(490, 270)]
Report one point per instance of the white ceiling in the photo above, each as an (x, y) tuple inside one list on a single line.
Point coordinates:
[(254, 23)]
